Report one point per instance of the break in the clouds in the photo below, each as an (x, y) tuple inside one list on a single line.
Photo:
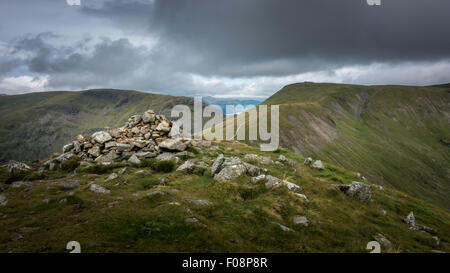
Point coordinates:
[(220, 47)]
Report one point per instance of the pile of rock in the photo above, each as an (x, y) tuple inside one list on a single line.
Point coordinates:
[(143, 136), (411, 221)]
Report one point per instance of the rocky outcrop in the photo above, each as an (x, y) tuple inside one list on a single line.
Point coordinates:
[(273, 182), (99, 189), (230, 168), (287, 161), (357, 190), (263, 160)]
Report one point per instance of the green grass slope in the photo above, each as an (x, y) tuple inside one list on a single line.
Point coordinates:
[(240, 219), (32, 126), (393, 135)]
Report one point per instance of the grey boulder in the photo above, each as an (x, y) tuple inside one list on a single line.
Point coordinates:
[(357, 190)]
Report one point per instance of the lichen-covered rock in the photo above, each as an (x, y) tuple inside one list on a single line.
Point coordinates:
[(168, 157), (357, 190), (134, 159), (94, 151), (149, 116), (16, 167), (67, 185), (177, 144), (263, 160), (67, 147), (101, 137), (199, 202), (112, 177), (287, 161), (410, 219), (231, 169), (300, 220), (307, 161), (108, 158), (187, 167), (99, 189), (3, 200), (318, 165), (216, 167), (272, 182), (64, 157)]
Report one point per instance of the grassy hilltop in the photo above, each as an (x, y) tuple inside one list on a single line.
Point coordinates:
[(143, 214)]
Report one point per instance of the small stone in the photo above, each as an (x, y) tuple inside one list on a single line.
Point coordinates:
[(410, 219), (191, 220), (157, 193), (68, 147), (112, 177), (101, 137), (283, 228), (99, 189), (134, 159), (164, 181), (67, 185), (3, 200), (122, 171), (199, 202), (302, 196), (300, 220), (436, 239), (142, 172), (307, 161), (318, 165), (187, 167)]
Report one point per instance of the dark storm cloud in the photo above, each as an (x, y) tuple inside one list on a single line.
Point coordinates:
[(262, 37), (220, 47), (73, 66)]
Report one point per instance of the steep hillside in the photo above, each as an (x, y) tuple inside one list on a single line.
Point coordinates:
[(33, 126), (393, 135)]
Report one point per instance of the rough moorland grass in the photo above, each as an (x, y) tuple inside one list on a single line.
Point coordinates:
[(239, 220), (165, 166)]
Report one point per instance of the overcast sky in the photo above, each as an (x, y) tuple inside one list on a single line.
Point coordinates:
[(220, 47)]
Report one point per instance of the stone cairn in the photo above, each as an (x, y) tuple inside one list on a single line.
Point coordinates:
[(143, 136)]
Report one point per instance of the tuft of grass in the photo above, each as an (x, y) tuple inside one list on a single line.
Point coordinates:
[(102, 169), (146, 183), (70, 165), (165, 166)]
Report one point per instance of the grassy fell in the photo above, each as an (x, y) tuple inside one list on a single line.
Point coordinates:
[(239, 220)]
